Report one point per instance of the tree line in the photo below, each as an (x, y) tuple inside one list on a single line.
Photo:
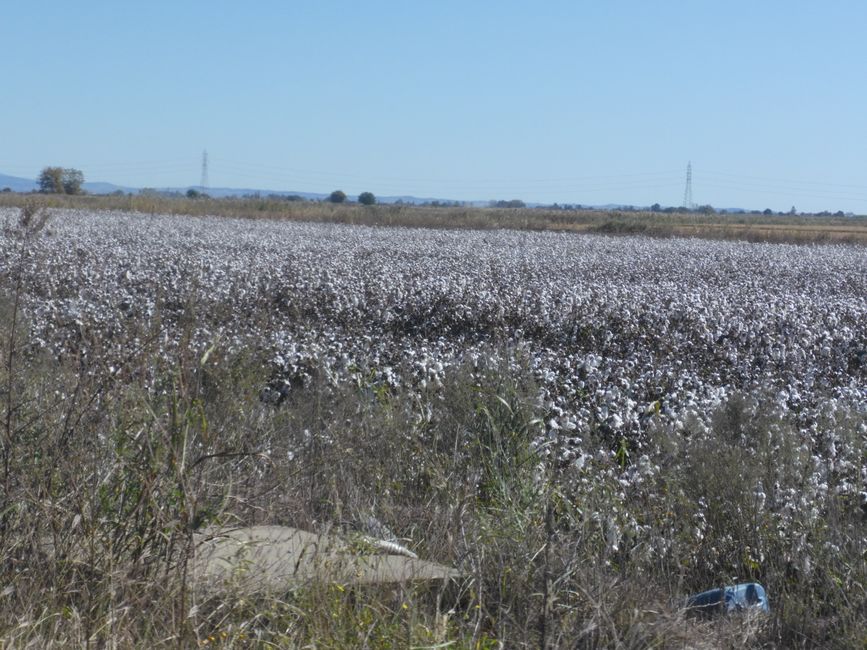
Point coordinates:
[(365, 198)]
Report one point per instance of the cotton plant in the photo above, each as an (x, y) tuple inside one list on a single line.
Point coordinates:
[(623, 335)]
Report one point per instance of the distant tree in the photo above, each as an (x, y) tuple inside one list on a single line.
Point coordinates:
[(366, 198), (73, 179), (337, 196), (57, 180), (705, 209), (193, 194), (767, 212), (655, 207), (50, 180), (513, 203), (6, 190), (793, 211), (284, 197)]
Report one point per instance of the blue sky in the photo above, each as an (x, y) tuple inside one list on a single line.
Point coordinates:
[(580, 102)]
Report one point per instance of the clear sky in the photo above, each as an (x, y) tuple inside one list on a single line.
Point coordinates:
[(567, 101)]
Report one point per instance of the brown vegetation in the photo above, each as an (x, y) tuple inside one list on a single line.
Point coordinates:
[(748, 227)]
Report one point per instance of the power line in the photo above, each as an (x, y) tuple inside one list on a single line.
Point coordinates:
[(497, 181), (817, 195), (587, 187), (762, 179)]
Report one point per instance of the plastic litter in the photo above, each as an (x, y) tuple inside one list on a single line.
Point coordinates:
[(736, 598)]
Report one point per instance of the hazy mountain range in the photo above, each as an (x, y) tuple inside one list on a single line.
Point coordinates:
[(18, 184)]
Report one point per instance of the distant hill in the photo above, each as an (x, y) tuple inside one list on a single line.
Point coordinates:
[(224, 192), (17, 184), (107, 188)]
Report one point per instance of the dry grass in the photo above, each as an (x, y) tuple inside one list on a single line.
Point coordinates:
[(749, 227), (121, 489)]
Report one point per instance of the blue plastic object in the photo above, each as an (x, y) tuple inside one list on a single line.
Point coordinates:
[(746, 596)]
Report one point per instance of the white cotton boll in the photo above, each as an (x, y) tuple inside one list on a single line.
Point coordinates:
[(806, 564), (760, 496), (644, 464), (612, 535)]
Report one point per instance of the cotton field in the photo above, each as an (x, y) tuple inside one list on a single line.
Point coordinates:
[(669, 412), (622, 333)]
